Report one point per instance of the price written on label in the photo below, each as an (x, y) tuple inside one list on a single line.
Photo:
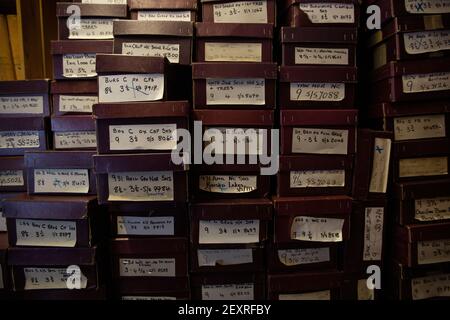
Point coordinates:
[(228, 231), (81, 104), (19, 139), (237, 141), (421, 127), (80, 65), (319, 141), (328, 56), (233, 52), (75, 140), (61, 181), (11, 178), (427, 6), (329, 12), (317, 229), (380, 165), (51, 278), (373, 234), (161, 15), (241, 12), (94, 29), (301, 91), (227, 257), (429, 252), (146, 226), (315, 296), (228, 184), (46, 233), (423, 167), (235, 92), (143, 137), (432, 209), (425, 42), (170, 51), (434, 286), (243, 291), (430, 82), (296, 257), (317, 179), (22, 105), (147, 267)]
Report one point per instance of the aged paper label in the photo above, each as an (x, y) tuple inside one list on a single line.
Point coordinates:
[(170, 51), (235, 92), (228, 184), (93, 29), (143, 137), (75, 140), (364, 293), (146, 226), (81, 65), (236, 141), (319, 141), (373, 234), (427, 6), (317, 179), (226, 257), (3, 227), (380, 165), (423, 167), (46, 233), (61, 181), (328, 56), (77, 103), (432, 209), (429, 82), (105, 1), (19, 139), (143, 298), (228, 292), (22, 105), (147, 267), (419, 127), (233, 52), (329, 12), (434, 286), (317, 296), (51, 278), (228, 231), (427, 41), (296, 257), (164, 15), (11, 178), (302, 91), (241, 12), (317, 229), (429, 252)]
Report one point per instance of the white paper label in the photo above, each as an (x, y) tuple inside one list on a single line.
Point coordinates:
[(22, 105), (241, 141), (46, 233), (434, 286), (429, 252), (380, 165), (235, 92), (170, 51), (297, 257), (143, 137), (77, 103), (3, 227), (241, 12), (164, 15), (364, 293), (427, 41), (317, 229), (52, 278), (2, 286), (319, 141), (329, 12), (233, 52), (432, 209), (11, 178), (427, 6), (228, 184), (146, 226), (143, 298), (75, 140), (61, 181), (315, 296), (430, 82), (228, 231), (420, 127), (228, 292), (373, 234), (131, 88), (19, 139), (141, 186), (105, 1), (147, 267), (226, 257), (329, 56), (317, 179), (302, 91), (423, 167), (80, 65), (93, 29)]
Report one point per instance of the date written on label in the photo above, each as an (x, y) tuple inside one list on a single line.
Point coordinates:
[(19, 139), (302, 91)]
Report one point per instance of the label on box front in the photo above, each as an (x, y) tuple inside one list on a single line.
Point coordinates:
[(46, 233), (164, 15), (147, 267), (61, 181), (143, 137), (11, 178), (429, 252), (235, 92), (434, 286), (427, 41), (80, 65), (243, 291), (423, 167), (2, 286), (420, 127), (427, 6), (93, 29), (170, 51), (233, 52), (143, 298), (236, 141), (364, 293), (373, 234), (141, 186), (228, 231), (77, 103), (315, 296), (317, 229), (429, 82), (75, 140), (226, 257), (3, 227), (53, 278), (329, 12), (228, 184), (19, 139), (145, 226), (105, 1), (241, 12), (22, 105), (380, 165), (329, 56), (302, 91), (317, 179), (432, 209), (297, 257), (319, 141)]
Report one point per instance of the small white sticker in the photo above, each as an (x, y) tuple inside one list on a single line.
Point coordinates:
[(427, 41), (329, 12), (380, 165), (228, 292), (301, 91), (226, 257), (434, 286), (423, 167), (46, 233), (147, 267), (235, 92), (228, 231), (61, 181), (77, 103), (427, 6), (419, 127), (315, 296), (22, 105), (233, 52), (432, 209), (146, 226), (319, 141), (80, 65), (430, 82), (162, 15), (75, 140), (373, 234), (429, 252), (317, 229), (228, 184), (317, 179), (143, 137), (328, 56), (241, 12), (11, 178), (19, 139), (297, 257), (49, 278), (93, 29), (170, 51)]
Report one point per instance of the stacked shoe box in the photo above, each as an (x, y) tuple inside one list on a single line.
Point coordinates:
[(234, 81), (313, 207), (410, 93)]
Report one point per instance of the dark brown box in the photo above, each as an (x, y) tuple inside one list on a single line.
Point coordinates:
[(232, 11), (319, 211), (211, 80), (140, 127), (4, 271), (12, 174), (144, 171), (69, 222), (74, 133), (25, 98), (354, 288), (314, 87), (3, 197), (234, 42), (94, 294), (163, 10), (170, 39), (103, 13), (318, 46), (74, 97)]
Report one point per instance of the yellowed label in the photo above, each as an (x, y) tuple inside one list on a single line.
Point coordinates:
[(147, 267), (434, 286), (235, 92), (11, 178), (432, 209), (315, 296), (317, 179), (80, 65), (49, 278), (228, 231), (319, 141), (296, 257), (233, 52), (423, 167), (380, 165), (429, 252), (302, 91), (429, 82), (228, 292), (143, 137), (241, 12), (228, 184), (19, 139), (61, 181), (75, 140), (93, 29), (317, 229), (46, 233)]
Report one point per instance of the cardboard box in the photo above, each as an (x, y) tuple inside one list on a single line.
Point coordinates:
[(74, 133), (26, 98), (232, 11), (74, 97), (163, 10), (13, 177)]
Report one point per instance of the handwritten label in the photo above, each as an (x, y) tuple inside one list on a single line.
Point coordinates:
[(233, 52), (228, 231), (373, 234), (11, 178), (430, 82), (22, 105), (364, 293), (228, 292), (226, 257), (301, 91), (317, 229), (143, 298), (93, 29), (319, 141), (162, 15), (105, 1), (19, 139), (61, 181), (317, 296), (241, 12), (147, 267), (420, 127), (434, 286), (329, 56), (427, 41), (131, 88), (380, 165), (329, 12), (170, 51), (432, 209), (297, 257), (2, 285), (143, 137), (228, 184), (80, 65), (423, 167), (46, 233), (145, 226), (237, 141), (427, 6), (141, 186), (75, 140), (317, 179), (429, 252), (50, 278), (77, 103), (235, 92)]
